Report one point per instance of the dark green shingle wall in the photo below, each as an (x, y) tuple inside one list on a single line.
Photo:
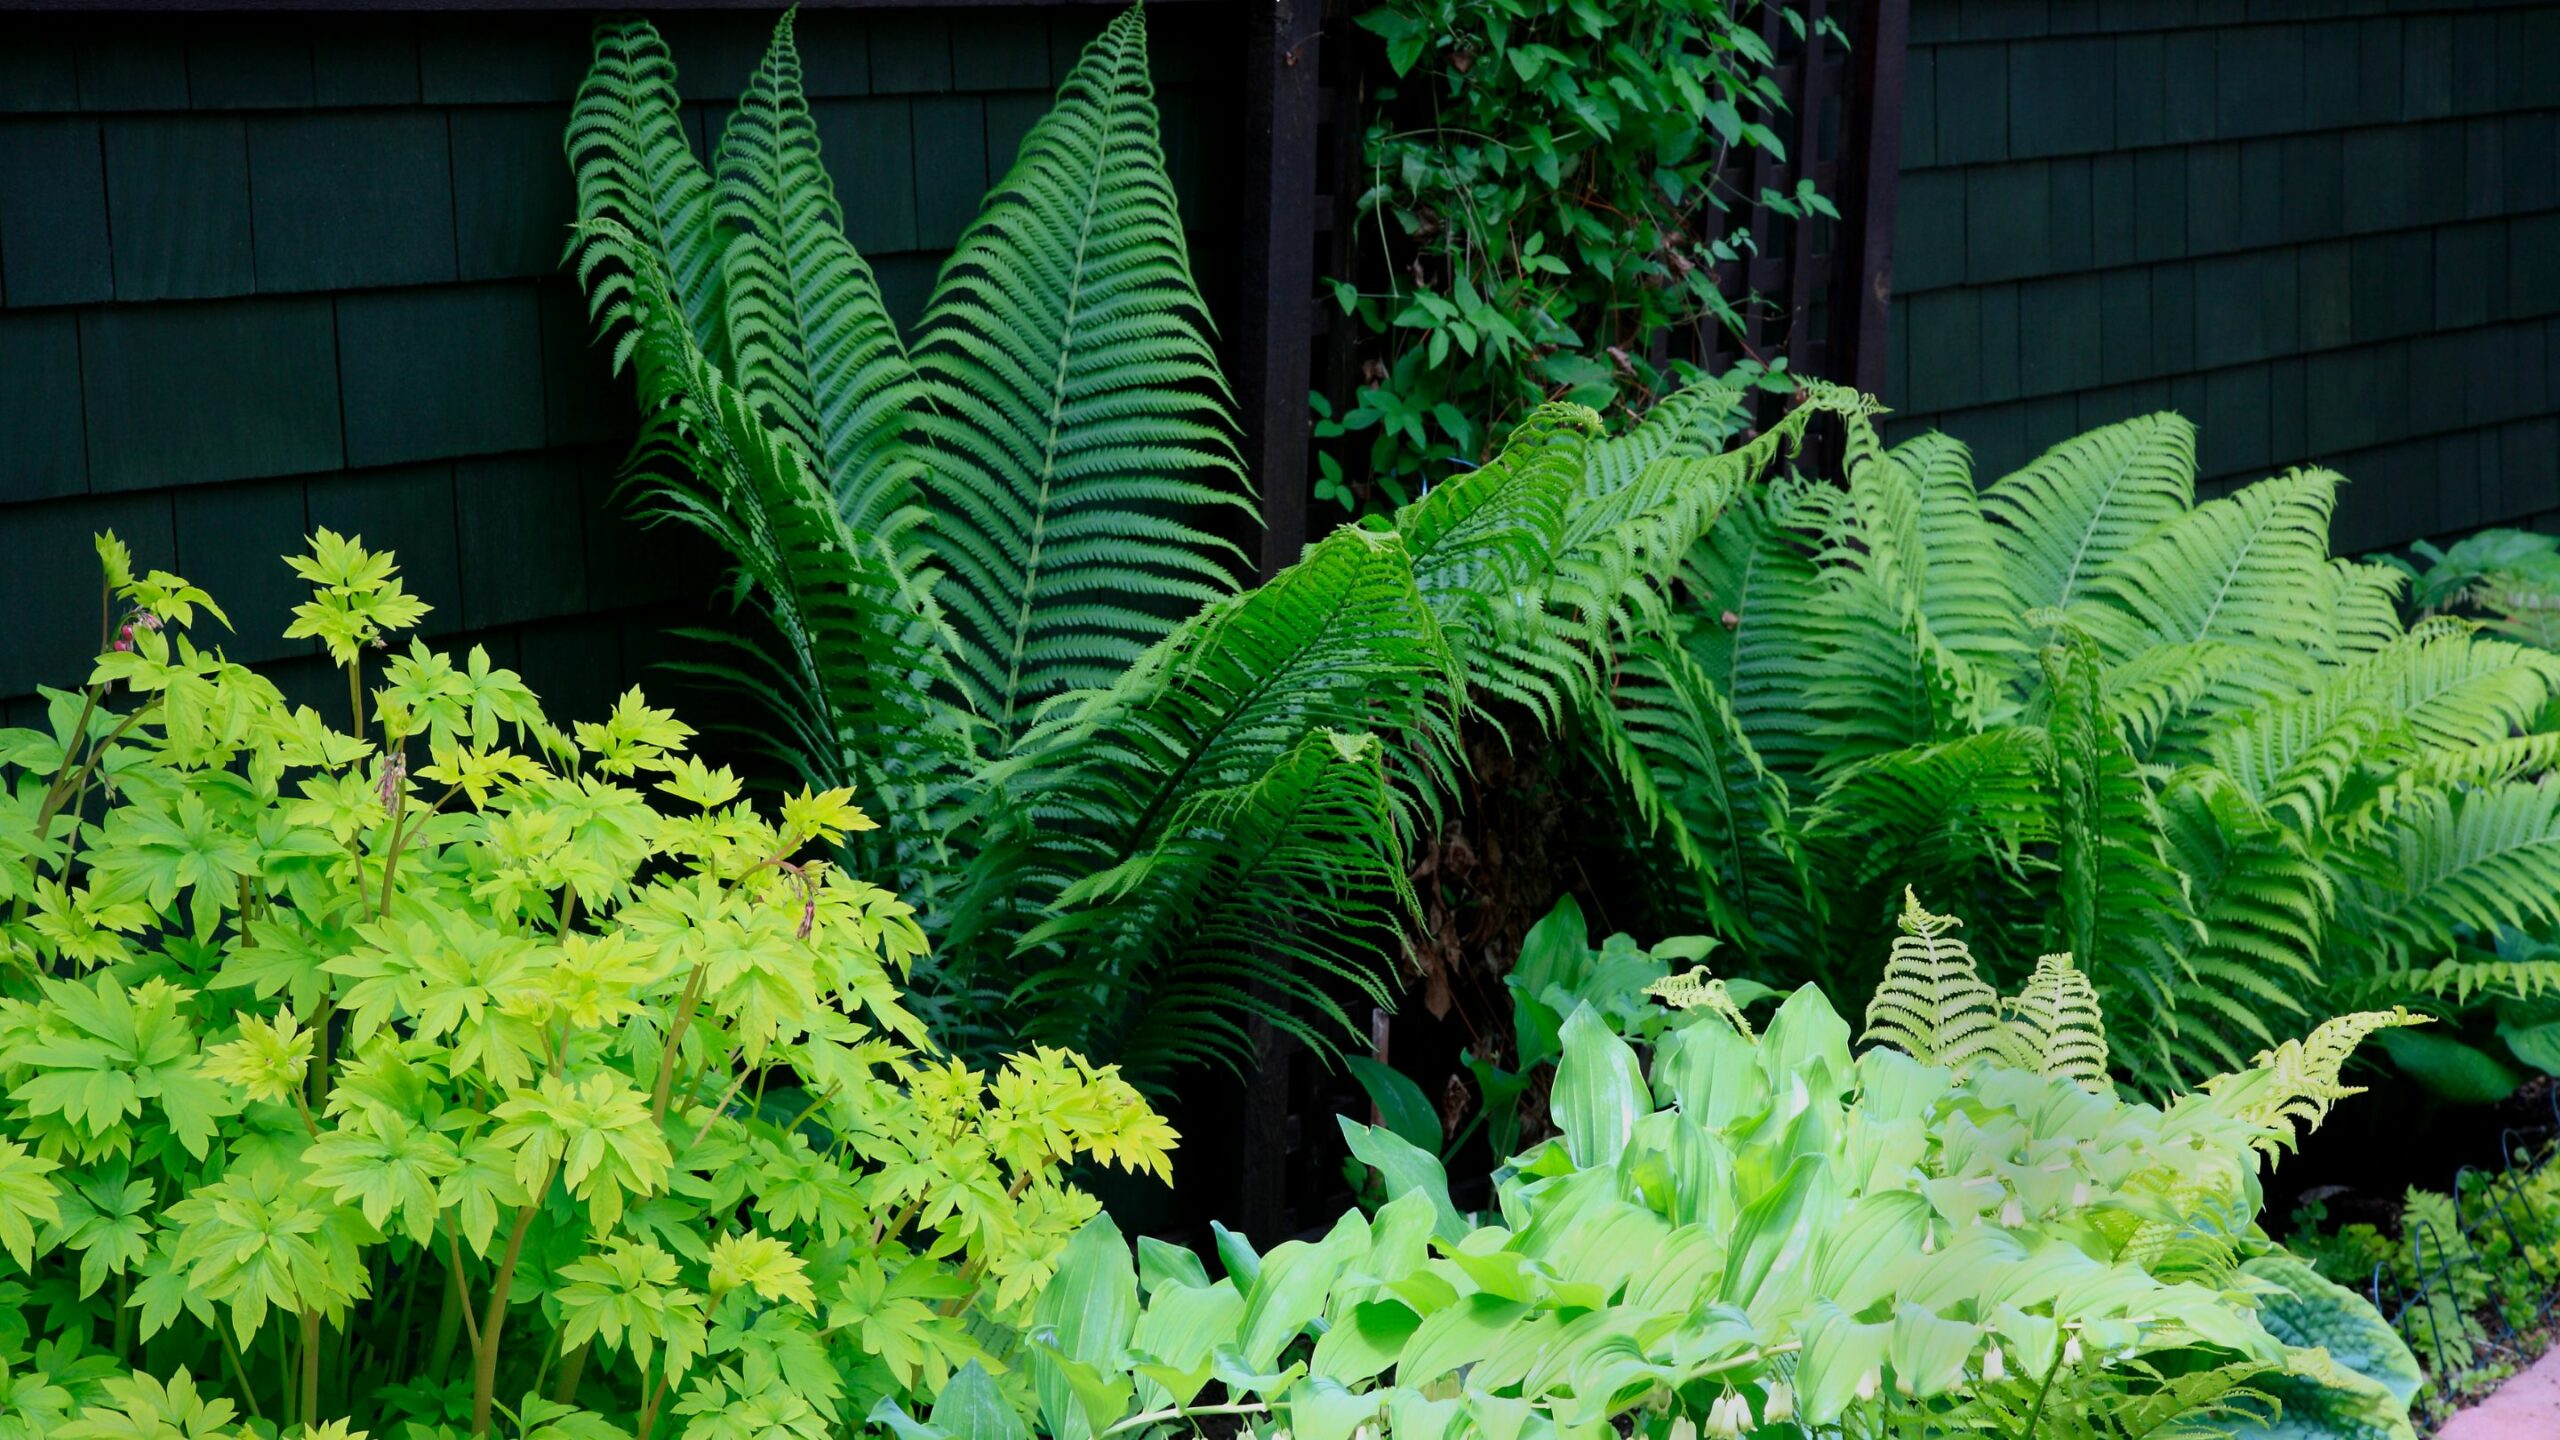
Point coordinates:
[(262, 274), (2326, 230)]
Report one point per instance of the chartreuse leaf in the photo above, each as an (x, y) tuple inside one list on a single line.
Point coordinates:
[(1776, 1233), (1083, 1321), (1599, 1091), (1842, 1360)]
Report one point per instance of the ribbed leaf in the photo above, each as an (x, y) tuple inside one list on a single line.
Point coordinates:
[(1071, 389), (2253, 566)]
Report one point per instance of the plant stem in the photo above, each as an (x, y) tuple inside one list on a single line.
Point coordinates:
[(484, 1369), (2035, 1417), (685, 1007), (572, 1367), (310, 1404)]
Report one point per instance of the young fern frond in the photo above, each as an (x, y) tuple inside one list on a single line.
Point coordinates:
[(1070, 386), (2296, 1083), (635, 169), (2059, 1026), (1933, 1005), (808, 336), (1698, 990)]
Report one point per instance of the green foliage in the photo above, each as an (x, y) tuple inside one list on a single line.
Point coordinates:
[(1729, 1232), (2510, 579), (2461, 1294), (1543, 191), (2177, 741), (460, 1072), (988, 586)]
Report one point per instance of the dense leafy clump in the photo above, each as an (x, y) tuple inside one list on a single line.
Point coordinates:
[(1543, 214), (2176, 740), (459, 1070), (1139, 808), (1729, 1231)]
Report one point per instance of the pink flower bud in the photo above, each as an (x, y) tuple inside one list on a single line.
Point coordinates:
[(1731, 620)]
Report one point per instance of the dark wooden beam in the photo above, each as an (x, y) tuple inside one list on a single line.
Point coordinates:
[(1274, 335), (1862, 263)]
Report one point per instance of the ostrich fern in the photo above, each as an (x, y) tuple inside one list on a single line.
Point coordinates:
[(984, 578), (2178, 740)]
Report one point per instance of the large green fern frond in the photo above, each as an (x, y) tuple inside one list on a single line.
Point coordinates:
[(853, 668), (1758, 635), (809, 339), (1256, 901), (2470, 860), (635, 169), (1077, 423), (1673, 742), (2252, 567), (1970, 605), (2125, 906), (1339, 642), (2070, 515)]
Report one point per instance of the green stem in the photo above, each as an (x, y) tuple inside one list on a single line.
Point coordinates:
[(2035, 1417)]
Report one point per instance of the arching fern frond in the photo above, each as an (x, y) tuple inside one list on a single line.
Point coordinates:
[(2471, 860), (1933, 1005), (1254, 901), (1698, 990), (2081, 505), (1070, 385), (635, 169), (2296, 1083), (853, 636), (810, 340), (2253, 567)]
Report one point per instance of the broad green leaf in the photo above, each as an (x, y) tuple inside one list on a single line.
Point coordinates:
[(1774, 1238), (1599, 1091), (1840, 1356), (1928, 1352), (1405, 1169), (2451, 1069), (1402, 1107), (1087, 1312), (971, 1408)]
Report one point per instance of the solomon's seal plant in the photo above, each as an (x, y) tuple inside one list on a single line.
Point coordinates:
[(1756, 1231), (469, 1072)]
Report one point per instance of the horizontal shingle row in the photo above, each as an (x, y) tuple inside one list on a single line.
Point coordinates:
[(262, 274), (2324, 231)]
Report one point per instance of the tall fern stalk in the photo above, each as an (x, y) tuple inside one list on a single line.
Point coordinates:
[(2178, 741), (984, 576)]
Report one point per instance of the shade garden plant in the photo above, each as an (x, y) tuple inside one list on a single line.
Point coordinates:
[(982, 573), (549, 1088)]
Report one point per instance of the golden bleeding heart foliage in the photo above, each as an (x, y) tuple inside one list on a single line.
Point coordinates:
[(462, 1070)]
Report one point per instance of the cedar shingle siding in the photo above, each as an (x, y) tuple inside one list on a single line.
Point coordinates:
[(2325, 230), (265, 273)]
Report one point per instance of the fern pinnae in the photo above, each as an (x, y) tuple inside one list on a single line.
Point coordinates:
[(2070, 513), (811, 339), (635, 168), (1070, 380), (2059, 1025), (1932, 1004)]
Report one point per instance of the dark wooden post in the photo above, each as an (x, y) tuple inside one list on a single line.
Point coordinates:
[(1274, 360), (1862, 265), (1274, 365)]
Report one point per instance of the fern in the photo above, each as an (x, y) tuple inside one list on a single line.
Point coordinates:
[(2058, 1024), (2177, 740), (633, 165), (1698, 990), (2296, 1083), (2073, 513), (811, 340), (1069, 385), (1933, 1004)]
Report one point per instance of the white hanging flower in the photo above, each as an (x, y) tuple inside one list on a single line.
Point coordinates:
[(1995, 1366), (2080, 1195), (1684, 1428), (1929, 1241), (1868, 1383), (2071, 1351), (1781, 1406), (1720, 1422), (2012, 1214)]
